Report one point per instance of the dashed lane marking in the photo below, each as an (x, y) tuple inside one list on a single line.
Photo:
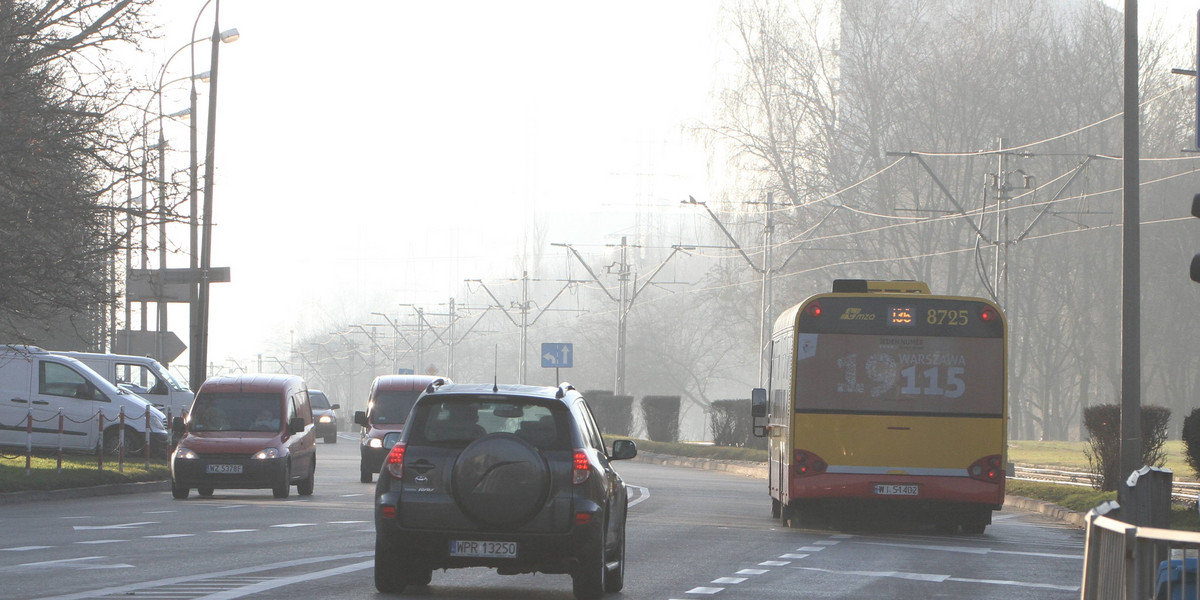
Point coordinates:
[(938, 578), (705, 590)]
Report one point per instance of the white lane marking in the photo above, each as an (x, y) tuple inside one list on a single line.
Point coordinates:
[(126, 589), (120, 526), (810, 549), (50, 563), (233, 530), (24, 548), (752, 571), (1048, 586), (161, 512), (282, 581), (231, 506), (100, 542), (289, 525), (167, 536), (728, 580), (931, 577), (975, 550), (774, 563), (841, 536), (936, 578), (828, 542), (705, 590), (346, 522), (793, 556), (643, 494), (78, 517), (351, 495)]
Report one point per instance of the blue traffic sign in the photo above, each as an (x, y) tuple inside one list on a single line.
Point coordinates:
[(556, 355)]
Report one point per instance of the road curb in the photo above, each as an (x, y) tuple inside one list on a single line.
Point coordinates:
[(111, 489), (759, 471)]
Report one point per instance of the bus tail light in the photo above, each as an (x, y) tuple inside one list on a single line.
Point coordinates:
[(988, 314), (395, 462), (805, 464), (813, 309), (987, 469)]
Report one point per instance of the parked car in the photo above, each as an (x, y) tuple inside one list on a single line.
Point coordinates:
[(324, 415), (143, 375), (246, 432), (391, 398), (513, 477), (41, 384)]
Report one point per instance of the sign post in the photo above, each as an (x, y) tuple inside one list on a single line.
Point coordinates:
[(557, 355)]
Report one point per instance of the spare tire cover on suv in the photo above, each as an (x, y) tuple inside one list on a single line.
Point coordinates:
[(500, 480)]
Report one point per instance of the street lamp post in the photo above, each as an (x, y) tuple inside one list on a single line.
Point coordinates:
[(198, 330)]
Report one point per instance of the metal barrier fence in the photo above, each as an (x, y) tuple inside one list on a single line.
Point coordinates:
[(1135, 557), (111, 436)]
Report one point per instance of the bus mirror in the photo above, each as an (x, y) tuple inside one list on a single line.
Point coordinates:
[(758, 403)]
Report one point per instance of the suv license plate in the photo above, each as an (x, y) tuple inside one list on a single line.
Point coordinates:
[(223, 469), (889, 489), (475, 549)]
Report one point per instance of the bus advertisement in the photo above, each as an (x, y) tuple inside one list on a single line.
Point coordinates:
[(881, 395)]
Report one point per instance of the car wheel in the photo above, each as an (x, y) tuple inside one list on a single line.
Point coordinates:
[(284, 488), (179, 493), (204, 491), (389, 579), (614, 579), (331, 438), (364, 476), (500, 480), (305, 487), (588, 580), (112, 442)]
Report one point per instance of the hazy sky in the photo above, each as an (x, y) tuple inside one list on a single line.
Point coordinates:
[(381, 152)]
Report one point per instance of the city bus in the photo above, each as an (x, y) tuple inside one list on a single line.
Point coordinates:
[(882, 396)]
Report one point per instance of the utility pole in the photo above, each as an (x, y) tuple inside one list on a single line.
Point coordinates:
[(1131, 369), (627, 294), (524, 307)]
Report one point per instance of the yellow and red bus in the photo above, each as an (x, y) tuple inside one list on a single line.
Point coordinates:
[(881, 394)]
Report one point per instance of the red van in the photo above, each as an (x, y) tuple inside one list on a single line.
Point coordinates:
[(246, 432), (392, 397)]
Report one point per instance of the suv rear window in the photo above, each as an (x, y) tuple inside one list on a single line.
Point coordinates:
[(459, 420), (392, 406)]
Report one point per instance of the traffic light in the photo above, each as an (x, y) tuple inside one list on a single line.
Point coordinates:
[(1196, 258)]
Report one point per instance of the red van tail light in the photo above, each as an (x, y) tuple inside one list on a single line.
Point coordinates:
[(395, 462), (805, 464), (582, 469), (987, 469)]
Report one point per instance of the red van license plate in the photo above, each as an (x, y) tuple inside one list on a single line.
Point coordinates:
[(891, 489), (477, 549)]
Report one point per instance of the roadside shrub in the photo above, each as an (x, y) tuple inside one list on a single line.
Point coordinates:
[(614, 414), (1191, 440), (1103, 451), (729, 421), (661, 414)]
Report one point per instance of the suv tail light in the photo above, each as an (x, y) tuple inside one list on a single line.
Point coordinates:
[(582, 467), (987, 469), (805, 464), (395, 461)]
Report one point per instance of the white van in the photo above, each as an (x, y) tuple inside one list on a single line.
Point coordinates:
[(142, 374), (43, 384)]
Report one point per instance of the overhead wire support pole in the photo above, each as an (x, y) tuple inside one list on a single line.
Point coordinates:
[(945, 192), (525, 306)]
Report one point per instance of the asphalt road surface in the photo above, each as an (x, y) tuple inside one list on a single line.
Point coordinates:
[(692, 534)]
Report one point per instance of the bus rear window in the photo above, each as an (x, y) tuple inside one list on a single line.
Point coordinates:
[(900, 374)]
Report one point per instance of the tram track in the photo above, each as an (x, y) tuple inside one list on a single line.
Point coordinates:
[(1181, 491)]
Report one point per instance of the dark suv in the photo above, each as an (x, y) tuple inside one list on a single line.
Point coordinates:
[(513, 477)]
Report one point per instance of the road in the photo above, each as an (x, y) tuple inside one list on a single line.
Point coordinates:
[(692, 534)]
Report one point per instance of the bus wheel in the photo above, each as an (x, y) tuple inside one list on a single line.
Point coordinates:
[(775, 508), (976, 522)]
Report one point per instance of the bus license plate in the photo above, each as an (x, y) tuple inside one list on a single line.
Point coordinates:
[(477, 549), (223, 469), (891, 489)]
